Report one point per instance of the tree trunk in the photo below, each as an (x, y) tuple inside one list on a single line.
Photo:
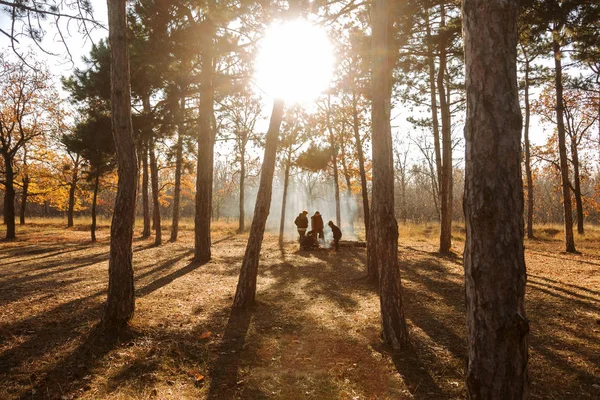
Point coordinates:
[(206, 139), (155, 196), (178, 166), (577, 185), (349, 197), (432, 93), (333, 144), (562, 148), (9, 197), (361, 161), (395, 333), (24, 200), (94, 202), (72, 189), (246, 288), (446, 183), (242, 218), (528, 157), (145, 196), (286, 181), (120, 303), (495, 276)]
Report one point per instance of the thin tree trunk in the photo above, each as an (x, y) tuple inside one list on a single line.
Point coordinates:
[(528, 157), (24, 200), (446, 183), (242, 218), (120, 303), (145, 188), (577, 186), (361, 161), (349, 197), (432, 96), (94, 202), (495, 276), (562, 148), (72, 189), (9, 198), (178, 167), (155, 196), (286, 181), (395, 332), (204, 176), (246, 288), (332, 142)]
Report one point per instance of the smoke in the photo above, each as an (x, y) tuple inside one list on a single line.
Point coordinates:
[(310, 191)]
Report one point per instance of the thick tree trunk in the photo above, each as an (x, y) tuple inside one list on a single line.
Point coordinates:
[(562, 147), (24, 200), (361, 161), (178, 166), (72, 189), (446, 176), (155, 196), (286, 181), (395, 332), (528, 157), (206, 138), (242, 218), (145, 187), (246, 288), (497, 329), (577, 185), (94, 202), (9, 197), (120, 303)]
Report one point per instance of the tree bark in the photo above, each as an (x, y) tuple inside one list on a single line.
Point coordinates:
[(333, 144), (495, 276), (446, 183), (528, 157), (145, 196), (206, 138), (242, 218), (562, 148), (155, 195), (120, 303), (577, 185), (395, 332), (94, 202), (9, 197), (24, 200), (245, 293), (178, 166), (286, 181)]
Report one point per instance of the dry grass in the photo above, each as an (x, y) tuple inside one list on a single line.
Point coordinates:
[(313, 335)]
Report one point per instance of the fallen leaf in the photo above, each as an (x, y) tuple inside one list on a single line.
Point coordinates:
[(205, 335)]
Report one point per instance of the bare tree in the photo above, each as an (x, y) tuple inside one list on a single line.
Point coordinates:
[(497, 329)]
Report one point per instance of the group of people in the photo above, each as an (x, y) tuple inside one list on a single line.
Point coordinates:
[(310, 240)]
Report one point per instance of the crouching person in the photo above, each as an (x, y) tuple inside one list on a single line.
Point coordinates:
[(309, 241), (337, 235)]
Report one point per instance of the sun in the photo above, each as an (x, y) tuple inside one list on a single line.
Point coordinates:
[(295, 61)]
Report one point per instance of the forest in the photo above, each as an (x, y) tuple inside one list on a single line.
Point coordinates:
[(157, 157)]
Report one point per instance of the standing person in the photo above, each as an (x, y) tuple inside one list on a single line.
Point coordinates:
[(302, 224), (337, 235), (316, 224)]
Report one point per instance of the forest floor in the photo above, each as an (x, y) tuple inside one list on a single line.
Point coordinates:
[(313, 335)]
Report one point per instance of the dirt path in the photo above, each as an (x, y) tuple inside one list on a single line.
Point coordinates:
[(313, 335)]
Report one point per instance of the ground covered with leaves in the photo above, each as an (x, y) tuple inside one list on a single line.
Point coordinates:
[(314, 333)]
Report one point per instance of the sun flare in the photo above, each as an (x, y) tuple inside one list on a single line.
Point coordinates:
[(295, 61)]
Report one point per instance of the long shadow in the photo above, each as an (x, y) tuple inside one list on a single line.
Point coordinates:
[(166, 265), (414, 371), (165, 280), (584, 289), (225, 371), (62, 249)]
